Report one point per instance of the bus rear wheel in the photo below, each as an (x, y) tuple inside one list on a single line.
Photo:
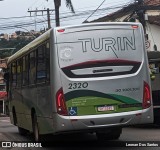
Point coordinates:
[(35, 128), (110, 134)]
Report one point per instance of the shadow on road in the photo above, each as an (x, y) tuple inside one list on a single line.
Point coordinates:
[(76, 141), (147, 126)]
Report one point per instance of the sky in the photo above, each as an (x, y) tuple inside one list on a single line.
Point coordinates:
[(14, 15)]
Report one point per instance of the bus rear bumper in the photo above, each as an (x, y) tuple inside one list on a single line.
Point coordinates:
[(96, 122)]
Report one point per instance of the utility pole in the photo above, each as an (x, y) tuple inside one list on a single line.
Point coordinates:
[(48, 18), (35, 23), (57, 4), (141, 12), (44, 10)]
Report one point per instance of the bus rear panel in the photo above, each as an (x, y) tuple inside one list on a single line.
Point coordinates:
[(104, 79)]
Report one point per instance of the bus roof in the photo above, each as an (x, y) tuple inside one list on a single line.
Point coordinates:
[(29, 46)]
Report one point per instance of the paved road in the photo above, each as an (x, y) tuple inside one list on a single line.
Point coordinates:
[(139, 134)]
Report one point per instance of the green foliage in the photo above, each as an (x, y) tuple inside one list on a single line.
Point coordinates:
[(17, 43)]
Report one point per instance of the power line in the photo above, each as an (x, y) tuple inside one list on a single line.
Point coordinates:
[(94, 11), (65, 12), (75, 16), (44, 10), (15, 17)]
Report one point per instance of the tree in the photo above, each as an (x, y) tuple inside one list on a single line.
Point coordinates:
[(17, 43), (57, 4)]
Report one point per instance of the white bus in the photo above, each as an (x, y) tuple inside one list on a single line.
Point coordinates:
[(83, 78)]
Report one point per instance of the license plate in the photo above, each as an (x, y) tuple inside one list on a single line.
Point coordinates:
[(105, 108)]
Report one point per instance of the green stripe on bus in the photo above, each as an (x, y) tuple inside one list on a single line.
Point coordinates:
[(88, 105), (90, 93)]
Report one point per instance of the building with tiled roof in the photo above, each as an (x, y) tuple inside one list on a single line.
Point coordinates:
[(3, 93), (152, 2), (152, 16)]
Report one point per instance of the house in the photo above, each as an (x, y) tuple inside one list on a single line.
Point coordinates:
[(4, 36), (148, 13), (3, 93), (13, 36)]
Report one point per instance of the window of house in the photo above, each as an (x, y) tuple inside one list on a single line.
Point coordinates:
[(2, 87)]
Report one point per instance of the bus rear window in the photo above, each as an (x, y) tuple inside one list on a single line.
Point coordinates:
[(100, 52), (101, 68)]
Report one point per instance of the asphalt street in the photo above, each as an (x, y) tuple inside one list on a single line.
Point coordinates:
[(137, 137)]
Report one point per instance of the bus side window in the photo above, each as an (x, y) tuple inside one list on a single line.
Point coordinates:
[(41, 64), (25, 70), (13, 75), (19, 72), (47, 49), (32, 67)]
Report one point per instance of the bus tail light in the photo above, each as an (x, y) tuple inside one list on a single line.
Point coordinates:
[(134, 26), (146, 96), (61, 30), (60, 103)]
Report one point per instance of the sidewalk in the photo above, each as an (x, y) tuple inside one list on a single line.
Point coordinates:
[(3, 115)]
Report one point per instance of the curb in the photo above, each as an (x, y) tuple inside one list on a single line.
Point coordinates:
[(3, 115)]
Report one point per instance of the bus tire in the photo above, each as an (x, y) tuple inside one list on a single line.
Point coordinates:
[(22, 131), (35, 128), (112, 134)]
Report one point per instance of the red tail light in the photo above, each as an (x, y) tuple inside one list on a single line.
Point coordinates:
[(61, 30), (134, 26), (60, 103), (146, 96)]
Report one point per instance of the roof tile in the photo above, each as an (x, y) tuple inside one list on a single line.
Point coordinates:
[(152, 2)]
